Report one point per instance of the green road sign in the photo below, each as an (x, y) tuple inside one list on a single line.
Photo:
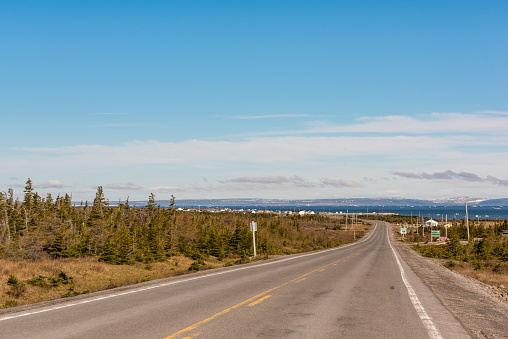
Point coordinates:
[(435, 233)]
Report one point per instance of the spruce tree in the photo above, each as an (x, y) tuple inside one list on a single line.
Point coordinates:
[(57, 247), (28, 199)]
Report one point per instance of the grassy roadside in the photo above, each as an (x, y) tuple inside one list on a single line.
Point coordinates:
[(49, 279), (26, 282), (488, 269)]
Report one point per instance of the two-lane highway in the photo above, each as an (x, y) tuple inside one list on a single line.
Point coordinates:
[(353, 291)]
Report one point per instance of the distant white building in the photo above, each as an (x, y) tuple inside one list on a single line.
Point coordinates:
[(430, 223), (306, 212)]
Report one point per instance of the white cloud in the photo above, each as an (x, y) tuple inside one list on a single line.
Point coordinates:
[(413, 146), (166, 189), (301, 151), (293, 180), (127, 186), (478, 122), (50, 184), (110, 113), (270, 116), (451, 175), (493, 112), (122, 125), (339, 183), (259, 180)]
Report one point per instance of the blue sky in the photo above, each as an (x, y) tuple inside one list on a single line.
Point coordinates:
[(266, 99)]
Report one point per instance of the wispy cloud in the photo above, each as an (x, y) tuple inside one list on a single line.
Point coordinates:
[(110, 113), (497, 181), (294, 180), (166, 189), (259, 180), (493, 112), (266, 150), (127, 186), (270, 116), (450, 175), (50, 184), (434, 123), (340, 183), (477, 143), (122, 125)]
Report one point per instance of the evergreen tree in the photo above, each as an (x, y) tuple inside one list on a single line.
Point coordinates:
[(151, 202), (57, 247), (28, 199), (98, 204), (109, 254)]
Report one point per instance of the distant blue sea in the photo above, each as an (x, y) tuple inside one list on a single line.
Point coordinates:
[(435, 212), (441, 212)]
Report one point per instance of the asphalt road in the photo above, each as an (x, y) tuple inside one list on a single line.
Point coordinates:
[(359, 290)]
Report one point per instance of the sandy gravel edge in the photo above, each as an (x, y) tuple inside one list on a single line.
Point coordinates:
[(472, 302)]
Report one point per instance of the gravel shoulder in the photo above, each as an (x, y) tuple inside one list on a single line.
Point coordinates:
[(473, 303)]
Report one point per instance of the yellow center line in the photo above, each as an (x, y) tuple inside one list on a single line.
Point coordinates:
[(321, 270), (250, 300), (296, 282), (196, 325), (260, 300)]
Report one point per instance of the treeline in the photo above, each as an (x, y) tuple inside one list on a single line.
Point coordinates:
[(37, 227), (457, 230), (487, 245)]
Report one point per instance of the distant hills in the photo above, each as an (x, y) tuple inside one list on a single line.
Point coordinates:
[(204, 203)]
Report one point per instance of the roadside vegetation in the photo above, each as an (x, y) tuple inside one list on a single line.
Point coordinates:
[(484, 257), (51, 249)]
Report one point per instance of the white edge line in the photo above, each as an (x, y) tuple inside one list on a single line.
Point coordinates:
[(24, 314), (425, 318)]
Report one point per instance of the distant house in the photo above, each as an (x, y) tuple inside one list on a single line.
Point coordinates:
[(306, 212), (430, 223), (503, 232)]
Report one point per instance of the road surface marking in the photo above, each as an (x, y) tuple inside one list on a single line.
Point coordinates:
[(296, 282), (259, 300), (196, 325), (250, 300), (142, 289), (424, 317), (322, 270)]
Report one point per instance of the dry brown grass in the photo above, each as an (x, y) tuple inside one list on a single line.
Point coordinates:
[(88, 275), (486, 275)]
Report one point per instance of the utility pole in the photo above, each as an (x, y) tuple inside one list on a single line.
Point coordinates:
[(467, 223), (446, 227), (417, 221), (423, 227)]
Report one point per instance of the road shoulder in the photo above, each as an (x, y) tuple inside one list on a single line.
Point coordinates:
[(478, 311)]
